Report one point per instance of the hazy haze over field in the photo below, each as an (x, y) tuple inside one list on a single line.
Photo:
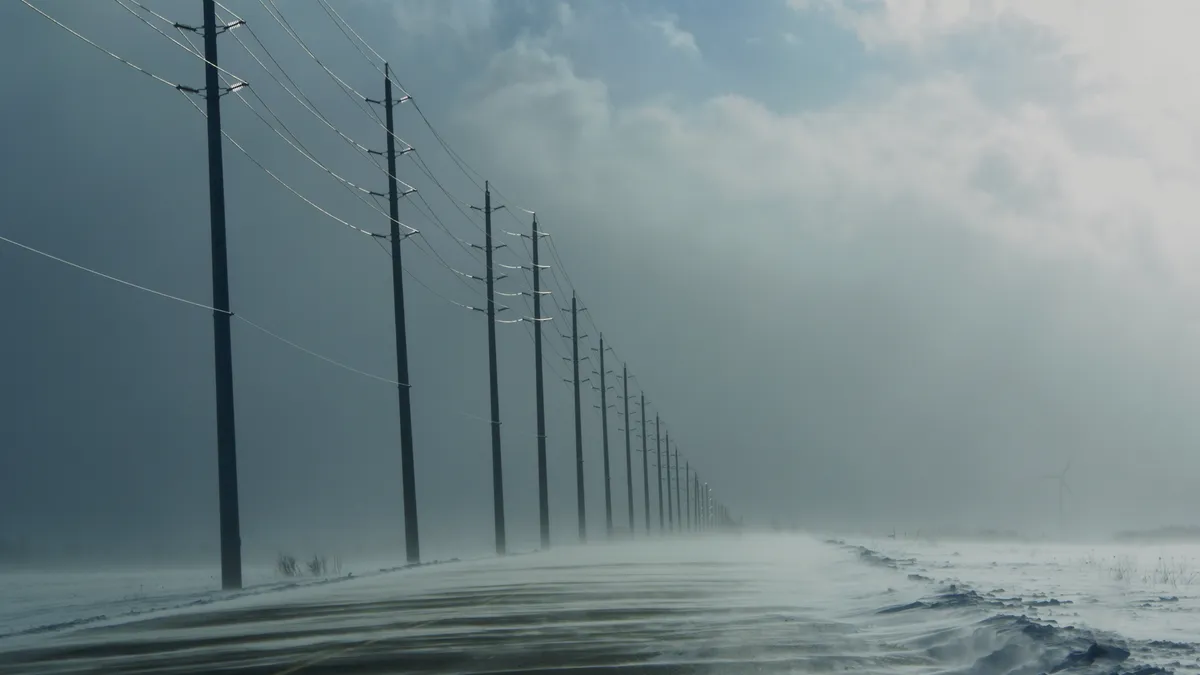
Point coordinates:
[(878, 264)]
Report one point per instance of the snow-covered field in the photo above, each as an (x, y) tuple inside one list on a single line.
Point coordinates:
[(754, 603), (37, 602), (1148, 593)]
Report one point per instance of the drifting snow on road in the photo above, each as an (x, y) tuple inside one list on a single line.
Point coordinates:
[(755, 603)]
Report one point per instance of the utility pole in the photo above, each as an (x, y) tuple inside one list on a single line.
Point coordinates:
[(645, 465), (658, 464), (604, 440), (497, 468), (543, 480), (678, 487), (407, 468), (688, 494), (707, 507), (670, 499), (628, 455), (578, 421), (227, 475), (695, 484)]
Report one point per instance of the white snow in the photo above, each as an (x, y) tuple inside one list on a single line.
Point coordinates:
[(763, 603), (1142, 592)]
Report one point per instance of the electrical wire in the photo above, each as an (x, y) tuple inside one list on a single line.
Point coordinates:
[(303, 99), (469, 172), (296, 144), (102, 275), (322, 357), (350, 91), (463, 166), (339, 22), (79, 35), (427, 286), (193, 303), (228, 11), (279, 180), (200, 56), (337, 19), (430, 214)]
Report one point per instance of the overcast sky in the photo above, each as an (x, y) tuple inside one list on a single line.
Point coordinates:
[(877, 263)]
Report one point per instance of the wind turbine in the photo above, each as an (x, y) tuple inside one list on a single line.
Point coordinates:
[(1062, 488)]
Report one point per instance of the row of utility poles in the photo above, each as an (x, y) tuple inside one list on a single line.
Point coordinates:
[(703, 511)]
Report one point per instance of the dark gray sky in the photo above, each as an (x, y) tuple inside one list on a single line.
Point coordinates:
[(873, 271)]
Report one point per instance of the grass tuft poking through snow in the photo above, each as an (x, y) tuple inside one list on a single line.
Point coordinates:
[(286, 565)]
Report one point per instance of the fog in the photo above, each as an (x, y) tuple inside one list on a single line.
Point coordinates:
[(871, 275)]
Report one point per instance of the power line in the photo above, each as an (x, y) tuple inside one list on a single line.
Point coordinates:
[(296, 144), (122, 59), (431, 214), (458, 161), (423, 284), (279, 180), (462, 165), (110, 277), (228, 11), (193, 303), (192, 51), (298, 94), (343, 26), (465, 168), (346, 88), (455, 201), (339, 21), (310, 352)]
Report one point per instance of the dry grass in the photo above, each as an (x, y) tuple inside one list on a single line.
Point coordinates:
[(1124, 568), (286, 565)]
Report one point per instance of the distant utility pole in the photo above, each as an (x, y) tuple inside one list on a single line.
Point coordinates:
[(658, 464), (227, 476), (628, 455), (707, 513), (670, 499), (645, 464), (696, 500), (407, 467), (497, 467), (604, 439), (688, 493), (543, 480), (578, 420), (678, 487)]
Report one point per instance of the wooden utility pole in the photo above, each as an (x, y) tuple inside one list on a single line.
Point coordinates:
[(227, 470), (493, 378), (658, 463), (604, 440), (543, 479), (670, 499), (688, 494), (645, 465), (678, 487), (412, 539), (628, 453), (578, 419)]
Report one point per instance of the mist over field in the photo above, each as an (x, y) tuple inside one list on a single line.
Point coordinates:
[(879, 266)]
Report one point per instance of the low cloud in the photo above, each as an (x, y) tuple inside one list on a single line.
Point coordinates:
[(676, 37)]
